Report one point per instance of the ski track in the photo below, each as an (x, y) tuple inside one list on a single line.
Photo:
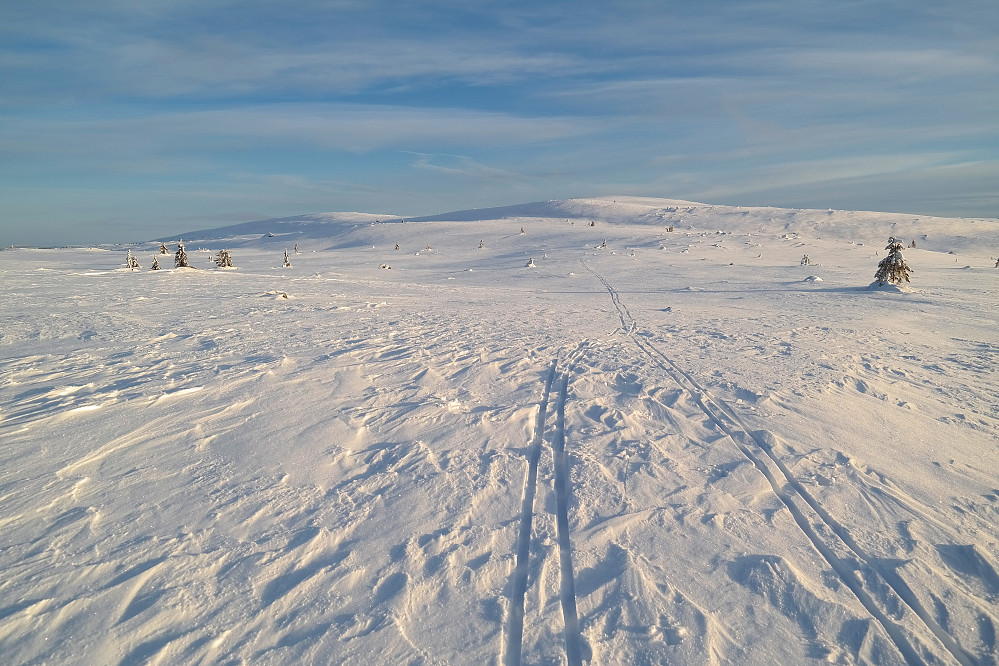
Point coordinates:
[(723, 416), (575, 648), (515, 632), (573, 642)]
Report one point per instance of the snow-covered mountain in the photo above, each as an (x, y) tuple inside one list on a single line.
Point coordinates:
[(680, 446)]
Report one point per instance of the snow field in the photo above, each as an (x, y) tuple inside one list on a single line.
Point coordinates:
[(732, 465)]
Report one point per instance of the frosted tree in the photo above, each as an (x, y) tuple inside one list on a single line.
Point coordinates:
[(180, 259), (156, 264), (397, 246), (912, 245), (523, 231), (163, 249), (223, 260), (296, 249), (287, 260), (805, 261), (482, 245), (892, 268), (130, 261)]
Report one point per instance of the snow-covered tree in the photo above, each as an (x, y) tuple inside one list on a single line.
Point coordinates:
[(130, 261), (180, 259), (523, 231), (156, 264), (482, 245), (530, 263), (805, 261), (892, 268), (163, 249), (223, 260), (287, 260), (397, 246), (296, 249), (913, 244)]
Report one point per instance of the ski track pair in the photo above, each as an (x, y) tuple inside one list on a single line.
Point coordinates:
[(803, 507)]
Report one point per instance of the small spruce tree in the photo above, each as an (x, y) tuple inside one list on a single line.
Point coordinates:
[(892, 268), (180, 259), (805, 261), (296, 249), (223, 260), (163, 249), (287, 260), (156, 264), (130, 261), (482, 245), (913, 244)]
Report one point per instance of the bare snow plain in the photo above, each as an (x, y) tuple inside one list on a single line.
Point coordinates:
[(684, 447)]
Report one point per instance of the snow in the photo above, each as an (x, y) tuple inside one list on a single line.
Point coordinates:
[(683, 448)]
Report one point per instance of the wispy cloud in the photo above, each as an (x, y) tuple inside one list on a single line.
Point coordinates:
[(303, 127), (446, 103)]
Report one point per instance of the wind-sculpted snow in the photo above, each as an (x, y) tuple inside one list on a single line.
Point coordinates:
[(671, 447)]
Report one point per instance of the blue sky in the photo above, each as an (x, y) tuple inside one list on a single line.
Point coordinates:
[(124, 120)]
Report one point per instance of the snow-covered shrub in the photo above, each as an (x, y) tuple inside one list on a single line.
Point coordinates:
[(805, 261), (130, 261), (482, 245), (892, 269), (156, 264), (163, 249), (296, 249), (180, 259), (287, 260)]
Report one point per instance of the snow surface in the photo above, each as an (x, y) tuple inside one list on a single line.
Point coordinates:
[(683, 448)]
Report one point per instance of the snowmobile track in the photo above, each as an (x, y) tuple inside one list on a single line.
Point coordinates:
[(727, 420)]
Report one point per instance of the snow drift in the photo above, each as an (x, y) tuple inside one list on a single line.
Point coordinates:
[(654, 447)]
